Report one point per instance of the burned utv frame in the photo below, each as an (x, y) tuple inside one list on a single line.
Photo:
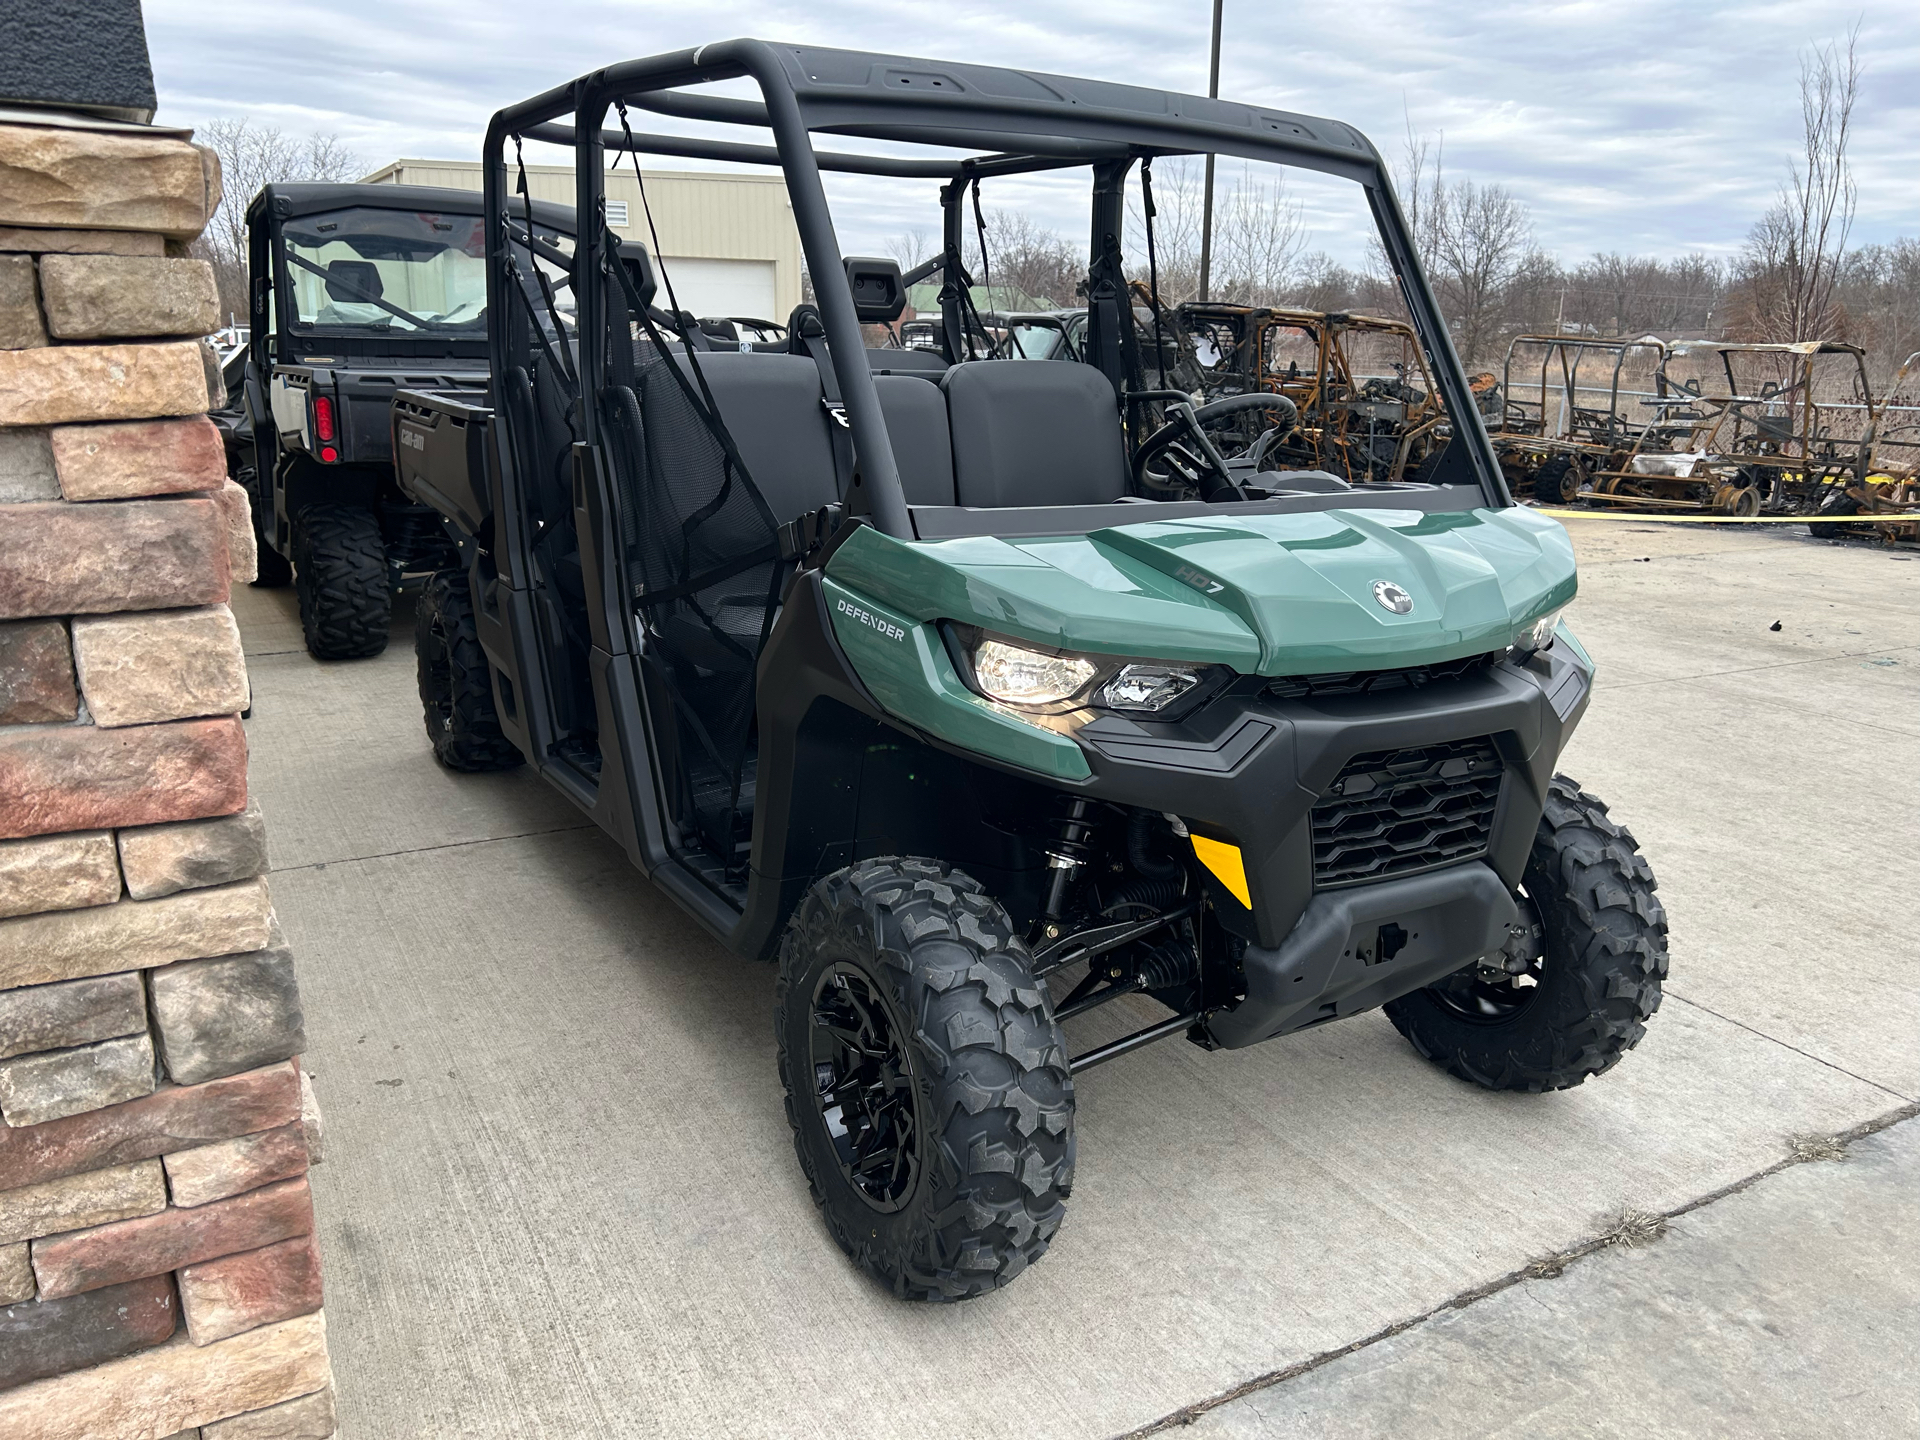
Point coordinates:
[(1782, 429), (1364, 400), (1554, 445), (885, 663)]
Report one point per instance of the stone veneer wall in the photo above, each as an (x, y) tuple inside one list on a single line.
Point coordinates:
[(158, 1272)]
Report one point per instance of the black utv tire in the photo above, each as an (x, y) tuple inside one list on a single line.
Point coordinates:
[(340, 575), (1604, 955), (940, 982), (456, 691), (271, 570)]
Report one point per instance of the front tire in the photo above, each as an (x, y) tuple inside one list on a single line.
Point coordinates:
[(456, 689), (1593, 945), (340, 575), (926, 1080)]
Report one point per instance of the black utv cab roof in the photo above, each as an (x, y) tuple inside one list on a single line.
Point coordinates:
[(1006, 121), (312, 197)]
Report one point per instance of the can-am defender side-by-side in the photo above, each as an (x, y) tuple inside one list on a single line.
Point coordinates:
[(357, 291), (880, 663)]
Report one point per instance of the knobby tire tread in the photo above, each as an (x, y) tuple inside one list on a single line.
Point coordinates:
[(340, 574), (989, 1060), (1606, 935), (456, 687)]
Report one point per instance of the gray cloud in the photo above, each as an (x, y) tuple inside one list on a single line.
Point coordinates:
[(1637, 125)]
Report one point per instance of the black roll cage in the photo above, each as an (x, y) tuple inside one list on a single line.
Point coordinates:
[(1023, 121)]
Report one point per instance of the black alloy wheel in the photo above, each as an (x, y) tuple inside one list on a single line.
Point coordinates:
[(864, 1089), (1493, 993), (926, 1080)]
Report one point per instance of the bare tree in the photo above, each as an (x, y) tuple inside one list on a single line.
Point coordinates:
[(1028, 264), (1482, 236), (1257, 235), (1257, 239), (1474, 241), (1796, 253), (251, 156), (910, 247)]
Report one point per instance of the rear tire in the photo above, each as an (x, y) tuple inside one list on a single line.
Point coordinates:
[(456, 689), (908, 1017), (1601, 951), (340, 574)]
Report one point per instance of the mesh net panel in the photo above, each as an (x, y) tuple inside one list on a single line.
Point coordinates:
[(703, 549)]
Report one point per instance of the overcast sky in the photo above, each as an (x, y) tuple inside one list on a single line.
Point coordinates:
[(1630, 125)]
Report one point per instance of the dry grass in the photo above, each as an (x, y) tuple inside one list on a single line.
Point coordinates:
[(1817, 1147), (1632, 1229)]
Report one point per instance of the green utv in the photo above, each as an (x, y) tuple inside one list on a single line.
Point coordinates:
[(357, 291), (982, 693)]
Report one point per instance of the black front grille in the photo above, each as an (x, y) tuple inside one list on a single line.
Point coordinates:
[(1398, 812), (1368, 682)]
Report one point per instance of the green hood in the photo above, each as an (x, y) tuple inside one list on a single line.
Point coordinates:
[(1265, 594)]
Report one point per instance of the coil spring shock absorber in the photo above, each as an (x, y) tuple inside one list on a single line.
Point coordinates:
[(1064, 859), (415, 538)]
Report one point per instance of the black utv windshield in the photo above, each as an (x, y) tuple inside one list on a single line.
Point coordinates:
[(370, 271)]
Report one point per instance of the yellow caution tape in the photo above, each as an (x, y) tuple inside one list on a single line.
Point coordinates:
[(1227, 867), (1896, 517)]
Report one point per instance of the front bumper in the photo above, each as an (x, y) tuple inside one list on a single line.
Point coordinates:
[(1335, 961), (1248, 770)]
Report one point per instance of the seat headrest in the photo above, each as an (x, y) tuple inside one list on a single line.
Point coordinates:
[(639, 267), (1034, 432), (879, 294), (802, 325), (353, 280)]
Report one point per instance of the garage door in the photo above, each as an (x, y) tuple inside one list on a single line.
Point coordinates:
[(722, 287)]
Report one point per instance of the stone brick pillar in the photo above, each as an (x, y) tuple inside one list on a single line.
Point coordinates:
[(158, 1272)]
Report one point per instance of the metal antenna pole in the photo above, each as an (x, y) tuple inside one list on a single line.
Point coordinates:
[(1206, 207)]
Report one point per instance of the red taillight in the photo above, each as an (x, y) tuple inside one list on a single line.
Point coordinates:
[(322, 417), (328, 454)]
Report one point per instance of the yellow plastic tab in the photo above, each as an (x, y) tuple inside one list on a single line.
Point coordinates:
[(1224, 861)]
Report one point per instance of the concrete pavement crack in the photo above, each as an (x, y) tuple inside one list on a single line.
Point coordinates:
[(1775, 1039), (1754, 669), (423, 849), (1544, 1267)]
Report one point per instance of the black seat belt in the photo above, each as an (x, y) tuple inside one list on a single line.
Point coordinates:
[(806, 329)]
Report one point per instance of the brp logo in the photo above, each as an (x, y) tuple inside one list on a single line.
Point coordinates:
[(1389, 596)]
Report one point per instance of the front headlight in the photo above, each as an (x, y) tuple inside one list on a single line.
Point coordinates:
[(1147, 688), (1018, 676), (1052, 682), (1537, 636)]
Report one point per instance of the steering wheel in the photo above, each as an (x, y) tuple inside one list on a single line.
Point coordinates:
[(1180, 454)]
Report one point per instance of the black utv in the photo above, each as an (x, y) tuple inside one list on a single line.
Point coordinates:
[(357, 291), (882, 664)]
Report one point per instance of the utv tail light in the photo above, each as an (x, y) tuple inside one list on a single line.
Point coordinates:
[(323, 430)]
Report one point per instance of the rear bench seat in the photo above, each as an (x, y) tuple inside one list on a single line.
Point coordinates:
[(773, 406), (986, 434)]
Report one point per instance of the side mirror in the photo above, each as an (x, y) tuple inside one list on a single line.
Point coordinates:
[(879, 296)]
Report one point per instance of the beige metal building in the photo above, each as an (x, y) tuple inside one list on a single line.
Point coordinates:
[(728, 240)]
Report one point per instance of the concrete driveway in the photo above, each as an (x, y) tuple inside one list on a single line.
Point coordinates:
[(560, 1198)]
